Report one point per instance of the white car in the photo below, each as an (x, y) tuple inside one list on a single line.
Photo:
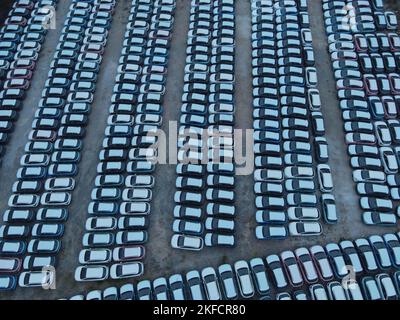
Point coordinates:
[(91, 273), (126, 270), (185, 242), (305, 228), (243, 276), (36, 279), (55, 199), (96, 256), (325, 177)]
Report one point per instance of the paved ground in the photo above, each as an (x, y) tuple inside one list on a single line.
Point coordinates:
[(161, 260), (5, 8)]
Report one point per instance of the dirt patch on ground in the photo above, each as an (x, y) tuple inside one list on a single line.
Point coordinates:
[(4, 8)]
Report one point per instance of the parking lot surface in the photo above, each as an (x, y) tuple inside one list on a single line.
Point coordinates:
[(161, 259)]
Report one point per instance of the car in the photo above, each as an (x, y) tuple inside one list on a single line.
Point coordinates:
[(301, 199), (97, 239), (386, 287), (382, 133), (300, 295), (302, 213), (271, 232), (16, 215), (186, 242), (380, 251), (220, 210), (325, 177), (243, 277), (317, 292), (23, 201), (37, 246), (177, 287), (321, 149), (126, 292), (379, 218), (131, 237), (370, 288), (335, 256), (160, 289), (144, 290), (126, 270), (110, 293), (10, 265), (187, 227), (214, 239), (351, 256), (376, 204), (366, 254), (393, 246), (283, 296), (271, 217), (211, 284), (195, 285), (7, 282), (47, 230), (228, 282), (259, 275), (336, 291), (55, 199), (329, 208), (188, 198), (321, 262), (306, 264), (291, 267), (391, 20), (389, 160), (300, 228), (91, 273), (372, 189), (36, 279), (94, 256), (364, 175)]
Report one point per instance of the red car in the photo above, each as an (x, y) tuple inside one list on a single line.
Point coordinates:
[(19, 74), (21, 21), (23, 64), (370, 85), (24, 4), (42, 135), (360, 43), (17, 84)]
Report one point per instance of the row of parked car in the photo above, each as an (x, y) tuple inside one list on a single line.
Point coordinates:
[(118, 213), (34, 222), (365, 16), (21, 38), (204, 201), (304, 271), (366, 64), (383, 286), (291, 152)]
